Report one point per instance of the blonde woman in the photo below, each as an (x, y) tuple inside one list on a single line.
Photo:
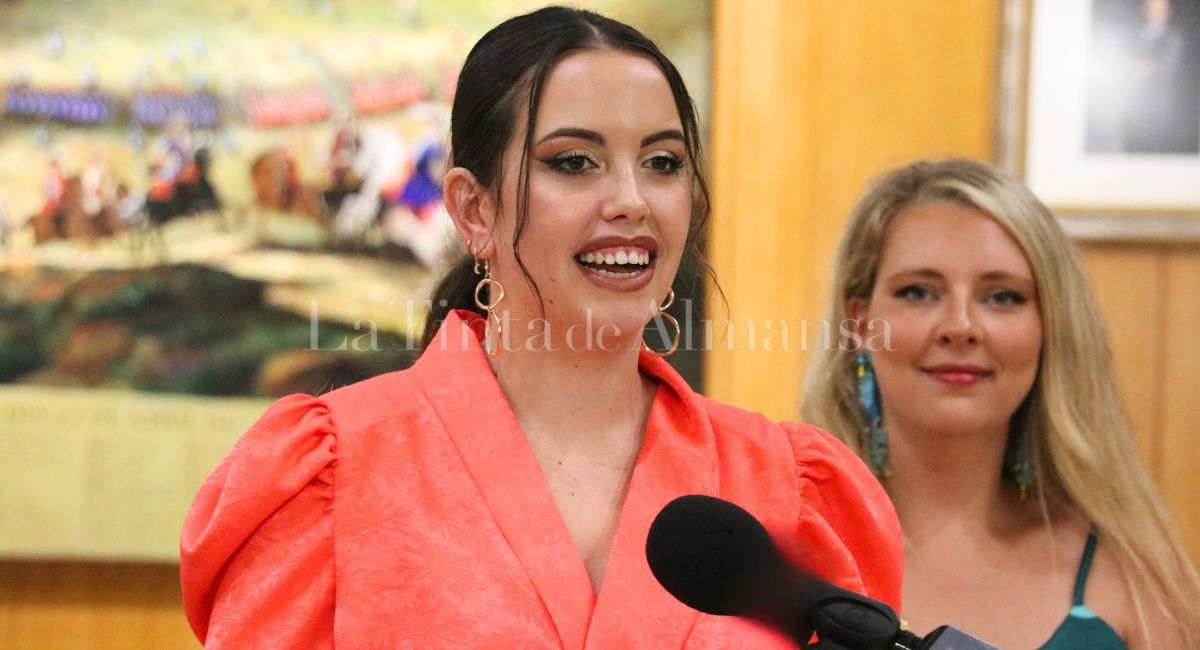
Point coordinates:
[(979, 387)]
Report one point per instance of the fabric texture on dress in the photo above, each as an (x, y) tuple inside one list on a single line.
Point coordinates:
[(409, 510)]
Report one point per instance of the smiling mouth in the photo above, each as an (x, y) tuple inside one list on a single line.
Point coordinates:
[(949, 369), (959, 375), (616, 262)]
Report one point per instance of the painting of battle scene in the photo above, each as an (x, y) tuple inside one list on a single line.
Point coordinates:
[(235, 198)]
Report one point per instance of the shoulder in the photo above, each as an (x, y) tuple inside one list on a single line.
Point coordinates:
[(271, 493), (293, 445), (844, 517), (807, 450), (292, 440), (295, 441), (287, 448), (839, 489), (1110, 595), (820, 457), (1107, 593), (827, 469), (804, 439), (384, 396), (730, 423)]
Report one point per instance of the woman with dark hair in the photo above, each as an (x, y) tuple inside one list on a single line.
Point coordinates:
[(500, 491)]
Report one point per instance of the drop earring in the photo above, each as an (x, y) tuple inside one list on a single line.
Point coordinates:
[(1020, 465), (669, 319), (874, 438), (494, 331)]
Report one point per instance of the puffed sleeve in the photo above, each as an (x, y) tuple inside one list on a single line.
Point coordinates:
[(257, 545), (845, 511)]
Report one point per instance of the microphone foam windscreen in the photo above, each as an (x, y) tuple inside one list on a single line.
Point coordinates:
[(713, 556)]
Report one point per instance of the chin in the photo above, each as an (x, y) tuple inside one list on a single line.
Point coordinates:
[(627, 321), (959, 422), (614, 324)]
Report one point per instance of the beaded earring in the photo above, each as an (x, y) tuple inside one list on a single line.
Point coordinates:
[(1019, 463), (874, 438)]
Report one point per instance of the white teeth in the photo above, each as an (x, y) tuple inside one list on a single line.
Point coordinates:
[(621, 257), (611, 274)]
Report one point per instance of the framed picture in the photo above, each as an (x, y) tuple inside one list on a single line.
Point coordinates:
[(1100, 113), (209, 207)]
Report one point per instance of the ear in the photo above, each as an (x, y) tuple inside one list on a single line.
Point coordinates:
[(471, 208)]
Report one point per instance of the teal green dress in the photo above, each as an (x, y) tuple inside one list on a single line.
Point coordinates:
[(1083, 629)]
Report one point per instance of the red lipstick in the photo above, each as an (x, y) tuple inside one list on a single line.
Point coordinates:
[(958, 374)]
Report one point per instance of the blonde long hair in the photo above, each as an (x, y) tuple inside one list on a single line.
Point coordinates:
[(1081, 448)]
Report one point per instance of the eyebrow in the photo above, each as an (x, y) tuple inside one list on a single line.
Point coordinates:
[(592, 136), (924, 272), (666, 134), (1004, 275), (569, 132), (927, 272)]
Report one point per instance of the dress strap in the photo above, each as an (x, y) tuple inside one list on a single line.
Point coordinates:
[(1085, 565)]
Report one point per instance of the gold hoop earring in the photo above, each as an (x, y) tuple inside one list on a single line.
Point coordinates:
[(495, 295), (662, 312)]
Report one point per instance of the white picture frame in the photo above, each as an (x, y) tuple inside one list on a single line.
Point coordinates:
[(1065, 96)]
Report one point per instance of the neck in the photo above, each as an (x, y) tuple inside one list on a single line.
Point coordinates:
[(576, 394), (943, 481)]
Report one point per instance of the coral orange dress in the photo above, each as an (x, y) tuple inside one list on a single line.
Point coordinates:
[(408, 510)]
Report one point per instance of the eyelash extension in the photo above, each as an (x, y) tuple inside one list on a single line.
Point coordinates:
[(676, 163), (558, 163)]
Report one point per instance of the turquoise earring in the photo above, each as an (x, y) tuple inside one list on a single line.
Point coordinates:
[(1020, 466), (874, 438)]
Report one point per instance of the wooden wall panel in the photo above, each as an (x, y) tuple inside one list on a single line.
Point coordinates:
[(91, 606), (763, 163), (1129, 285), (1150, 297), (1180, 433), (813, 98)]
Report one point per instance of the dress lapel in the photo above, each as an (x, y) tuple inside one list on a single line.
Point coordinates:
[(459, 383), (677, 458)]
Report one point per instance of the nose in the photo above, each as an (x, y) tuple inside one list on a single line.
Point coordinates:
[(958, 326), (626, 200)]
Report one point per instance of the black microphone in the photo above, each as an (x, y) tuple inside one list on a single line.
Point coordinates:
[(715, 557)]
